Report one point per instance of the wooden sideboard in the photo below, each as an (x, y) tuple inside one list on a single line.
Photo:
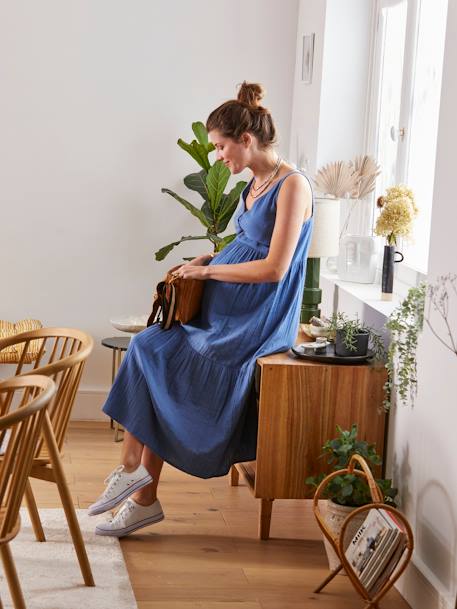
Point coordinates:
[(300, 404)]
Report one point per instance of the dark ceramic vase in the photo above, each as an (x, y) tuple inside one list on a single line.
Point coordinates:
[(388, 262), (361, 345)]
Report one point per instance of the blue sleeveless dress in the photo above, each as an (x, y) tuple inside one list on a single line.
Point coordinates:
[(188, 393)]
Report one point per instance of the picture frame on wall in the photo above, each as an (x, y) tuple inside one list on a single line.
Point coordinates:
[(307, 59)]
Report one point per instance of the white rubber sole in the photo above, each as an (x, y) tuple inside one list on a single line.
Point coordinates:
[(133, 527), (105, 506)]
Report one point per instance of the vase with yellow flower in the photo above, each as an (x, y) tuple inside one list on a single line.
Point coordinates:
[(398, 210)]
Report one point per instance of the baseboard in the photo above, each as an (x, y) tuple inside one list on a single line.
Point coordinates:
[(88, 405), (419, 592)]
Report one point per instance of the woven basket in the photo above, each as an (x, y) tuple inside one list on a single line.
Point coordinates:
[(12, 355)]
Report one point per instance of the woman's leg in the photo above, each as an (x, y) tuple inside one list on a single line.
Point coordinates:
[(153, 463), (132, 450)]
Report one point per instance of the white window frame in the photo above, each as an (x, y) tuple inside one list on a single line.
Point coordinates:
[(407, 275)]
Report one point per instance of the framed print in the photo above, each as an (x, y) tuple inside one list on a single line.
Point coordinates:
[(307, 59)]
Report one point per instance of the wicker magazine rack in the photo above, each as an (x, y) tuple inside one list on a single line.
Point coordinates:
[(337, 541)]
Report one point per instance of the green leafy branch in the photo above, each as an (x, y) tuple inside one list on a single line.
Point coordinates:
[(210, 183)]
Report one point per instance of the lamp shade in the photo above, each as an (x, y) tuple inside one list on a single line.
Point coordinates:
[(326, 231)]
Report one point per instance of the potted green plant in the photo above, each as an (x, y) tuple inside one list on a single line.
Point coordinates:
[(209, 183), (354, 337), (347, 492)]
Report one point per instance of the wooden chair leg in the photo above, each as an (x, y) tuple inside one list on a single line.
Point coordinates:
[(234, 476), (33, 513), (266, 506), (67, 502), (11, 576)]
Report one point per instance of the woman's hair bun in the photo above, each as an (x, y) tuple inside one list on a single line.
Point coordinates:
[(250, 94)]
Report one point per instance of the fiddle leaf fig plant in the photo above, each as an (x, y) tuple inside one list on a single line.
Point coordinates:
[(209, 183)]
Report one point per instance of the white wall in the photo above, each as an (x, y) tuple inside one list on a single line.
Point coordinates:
[(328, 120), (95, 94)]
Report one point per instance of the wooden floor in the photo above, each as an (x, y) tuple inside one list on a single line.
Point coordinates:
[(206, 554)]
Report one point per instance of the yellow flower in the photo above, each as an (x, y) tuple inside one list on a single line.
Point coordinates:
[(397, 214)]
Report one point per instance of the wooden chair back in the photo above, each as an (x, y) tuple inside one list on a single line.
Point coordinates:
[(60, 354), (20, 430)]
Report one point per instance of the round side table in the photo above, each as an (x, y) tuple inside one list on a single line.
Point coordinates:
[(119, 344)]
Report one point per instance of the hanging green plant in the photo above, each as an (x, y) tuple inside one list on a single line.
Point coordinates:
[(210, 183), (405, 325)]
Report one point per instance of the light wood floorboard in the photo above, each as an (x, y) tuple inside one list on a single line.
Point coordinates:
[(205, 554)]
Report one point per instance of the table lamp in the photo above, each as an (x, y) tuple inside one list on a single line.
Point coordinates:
[(324, 243)]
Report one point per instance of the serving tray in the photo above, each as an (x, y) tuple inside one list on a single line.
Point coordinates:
[(329, 356)]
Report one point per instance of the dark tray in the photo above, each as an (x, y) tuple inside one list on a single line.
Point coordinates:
[(328, 356)]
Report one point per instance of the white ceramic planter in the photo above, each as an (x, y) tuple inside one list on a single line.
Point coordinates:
[(334, 517)]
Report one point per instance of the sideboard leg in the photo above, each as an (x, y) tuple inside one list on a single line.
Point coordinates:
[(266, 506), (234, 476)]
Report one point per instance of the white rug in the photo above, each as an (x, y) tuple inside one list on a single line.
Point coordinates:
[(49, 572)]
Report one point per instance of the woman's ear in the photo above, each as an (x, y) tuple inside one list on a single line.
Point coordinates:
[(246, 139)]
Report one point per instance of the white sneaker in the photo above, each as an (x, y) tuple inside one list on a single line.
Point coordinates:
[(121, 484), (130, 517)]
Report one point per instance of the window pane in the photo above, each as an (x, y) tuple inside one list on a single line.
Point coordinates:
[(420, 170), (393, 29)]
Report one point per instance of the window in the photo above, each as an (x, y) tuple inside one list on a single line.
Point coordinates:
[(408, 64)]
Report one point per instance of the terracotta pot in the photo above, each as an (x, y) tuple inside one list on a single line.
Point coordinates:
[(334, 517)]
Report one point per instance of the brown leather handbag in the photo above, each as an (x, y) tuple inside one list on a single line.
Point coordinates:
[(176, 299)]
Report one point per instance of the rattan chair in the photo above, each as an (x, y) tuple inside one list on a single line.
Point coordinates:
[(62, 353), (20, 432)]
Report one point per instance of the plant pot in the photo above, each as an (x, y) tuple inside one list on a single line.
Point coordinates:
[(387, 282), (334, 518), (361, 344)]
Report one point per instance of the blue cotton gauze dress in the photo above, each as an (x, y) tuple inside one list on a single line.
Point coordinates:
[(188, 392)]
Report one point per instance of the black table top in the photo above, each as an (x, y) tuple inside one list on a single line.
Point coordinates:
[(117, 342)]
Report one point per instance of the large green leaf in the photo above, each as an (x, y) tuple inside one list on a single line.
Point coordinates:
[(216, 181), (197, 182), (194, 153), (199, 152), (229, 203), (193, 210), (225, 241), (200, 132), (166, 249)]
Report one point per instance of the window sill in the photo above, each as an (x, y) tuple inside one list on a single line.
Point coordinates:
[(368, 293)]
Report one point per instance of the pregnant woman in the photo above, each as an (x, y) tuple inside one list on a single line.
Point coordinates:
[(186, 395)]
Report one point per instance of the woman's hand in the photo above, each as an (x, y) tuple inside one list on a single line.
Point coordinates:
[(191, 271), (199, 260)]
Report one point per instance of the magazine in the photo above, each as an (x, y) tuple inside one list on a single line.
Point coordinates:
[(372, 536), (375, 549)]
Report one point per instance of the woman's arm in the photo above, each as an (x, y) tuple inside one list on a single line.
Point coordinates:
[(293, 208)]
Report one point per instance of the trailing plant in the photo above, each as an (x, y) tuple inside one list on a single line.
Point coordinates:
[(405, 325), (210, 182), (350, 489), (439, 295), (350, 328)]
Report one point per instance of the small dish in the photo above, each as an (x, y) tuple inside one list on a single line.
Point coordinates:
[(314, 331), (129, 323)]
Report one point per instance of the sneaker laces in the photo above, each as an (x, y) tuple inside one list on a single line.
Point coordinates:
[(125, 510), (113, 478)]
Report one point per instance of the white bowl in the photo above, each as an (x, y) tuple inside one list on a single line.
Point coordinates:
[(129, 323)]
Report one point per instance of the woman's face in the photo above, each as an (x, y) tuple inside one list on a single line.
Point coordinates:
[(235, 155)]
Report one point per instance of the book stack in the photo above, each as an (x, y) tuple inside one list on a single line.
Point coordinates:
[(376, 548)]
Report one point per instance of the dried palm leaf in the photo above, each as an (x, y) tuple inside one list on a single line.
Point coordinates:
[(366, 170), (336, 179)]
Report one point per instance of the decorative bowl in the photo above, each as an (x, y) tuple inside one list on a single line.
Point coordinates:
[(129, 323), (315, 331)]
